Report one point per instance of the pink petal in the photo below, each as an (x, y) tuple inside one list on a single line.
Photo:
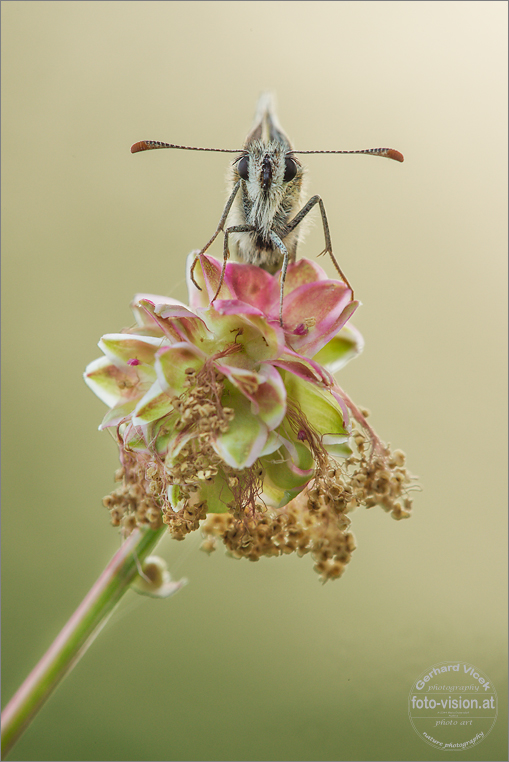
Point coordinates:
[(253, 285), (176, 322), (302, 272), (207, 274), (315, 300), (305, 368), (314, 313), (322, 333), (246, 381), (157, 299), (187, 324), (235, 307), (143, 319), (342, 404), (298, 369), (265, 390), (271, 397)]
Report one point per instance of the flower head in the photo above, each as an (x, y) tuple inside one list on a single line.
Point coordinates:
[(220, 411)]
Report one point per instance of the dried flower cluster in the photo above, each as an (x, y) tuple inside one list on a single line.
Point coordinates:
[(230, 422)]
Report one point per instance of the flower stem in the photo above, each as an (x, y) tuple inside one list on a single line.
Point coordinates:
[(76, 636)]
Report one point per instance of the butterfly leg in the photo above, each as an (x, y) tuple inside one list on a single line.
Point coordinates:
[(220, 227), (276, 240), (226, 251), (328, 245)]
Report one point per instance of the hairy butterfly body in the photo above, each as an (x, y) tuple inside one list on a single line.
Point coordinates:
[(265, 204)]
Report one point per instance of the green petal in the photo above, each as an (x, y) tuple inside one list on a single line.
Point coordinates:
[(171, 365), (245, 439), (103, 378), (257, 338), (346, 345), (116, 414), (272, 444), (285, 473), (265, 390), (317, 404), (155, 404), (124, 347), (339, 450), (174, 496), (162, 432), (217, 494), (271, 398), (134, 439), (114, 385)]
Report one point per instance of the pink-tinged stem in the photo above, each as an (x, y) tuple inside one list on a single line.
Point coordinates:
[(376, 443), (76, 636)]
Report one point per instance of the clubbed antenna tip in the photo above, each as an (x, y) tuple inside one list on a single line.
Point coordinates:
[(149, 145)]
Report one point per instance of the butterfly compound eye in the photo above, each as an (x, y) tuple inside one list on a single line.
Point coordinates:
[(290, 169), (243, 168)]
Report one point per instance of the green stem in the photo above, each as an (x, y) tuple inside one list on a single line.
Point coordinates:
[(76, 636)]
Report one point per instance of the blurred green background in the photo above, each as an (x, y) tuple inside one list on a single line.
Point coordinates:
[(256, 661)]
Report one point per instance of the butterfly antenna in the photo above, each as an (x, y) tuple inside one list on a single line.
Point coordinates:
[(149, 145), (388, 153)]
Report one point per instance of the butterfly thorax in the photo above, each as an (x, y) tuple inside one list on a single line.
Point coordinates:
[(269, 197)]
